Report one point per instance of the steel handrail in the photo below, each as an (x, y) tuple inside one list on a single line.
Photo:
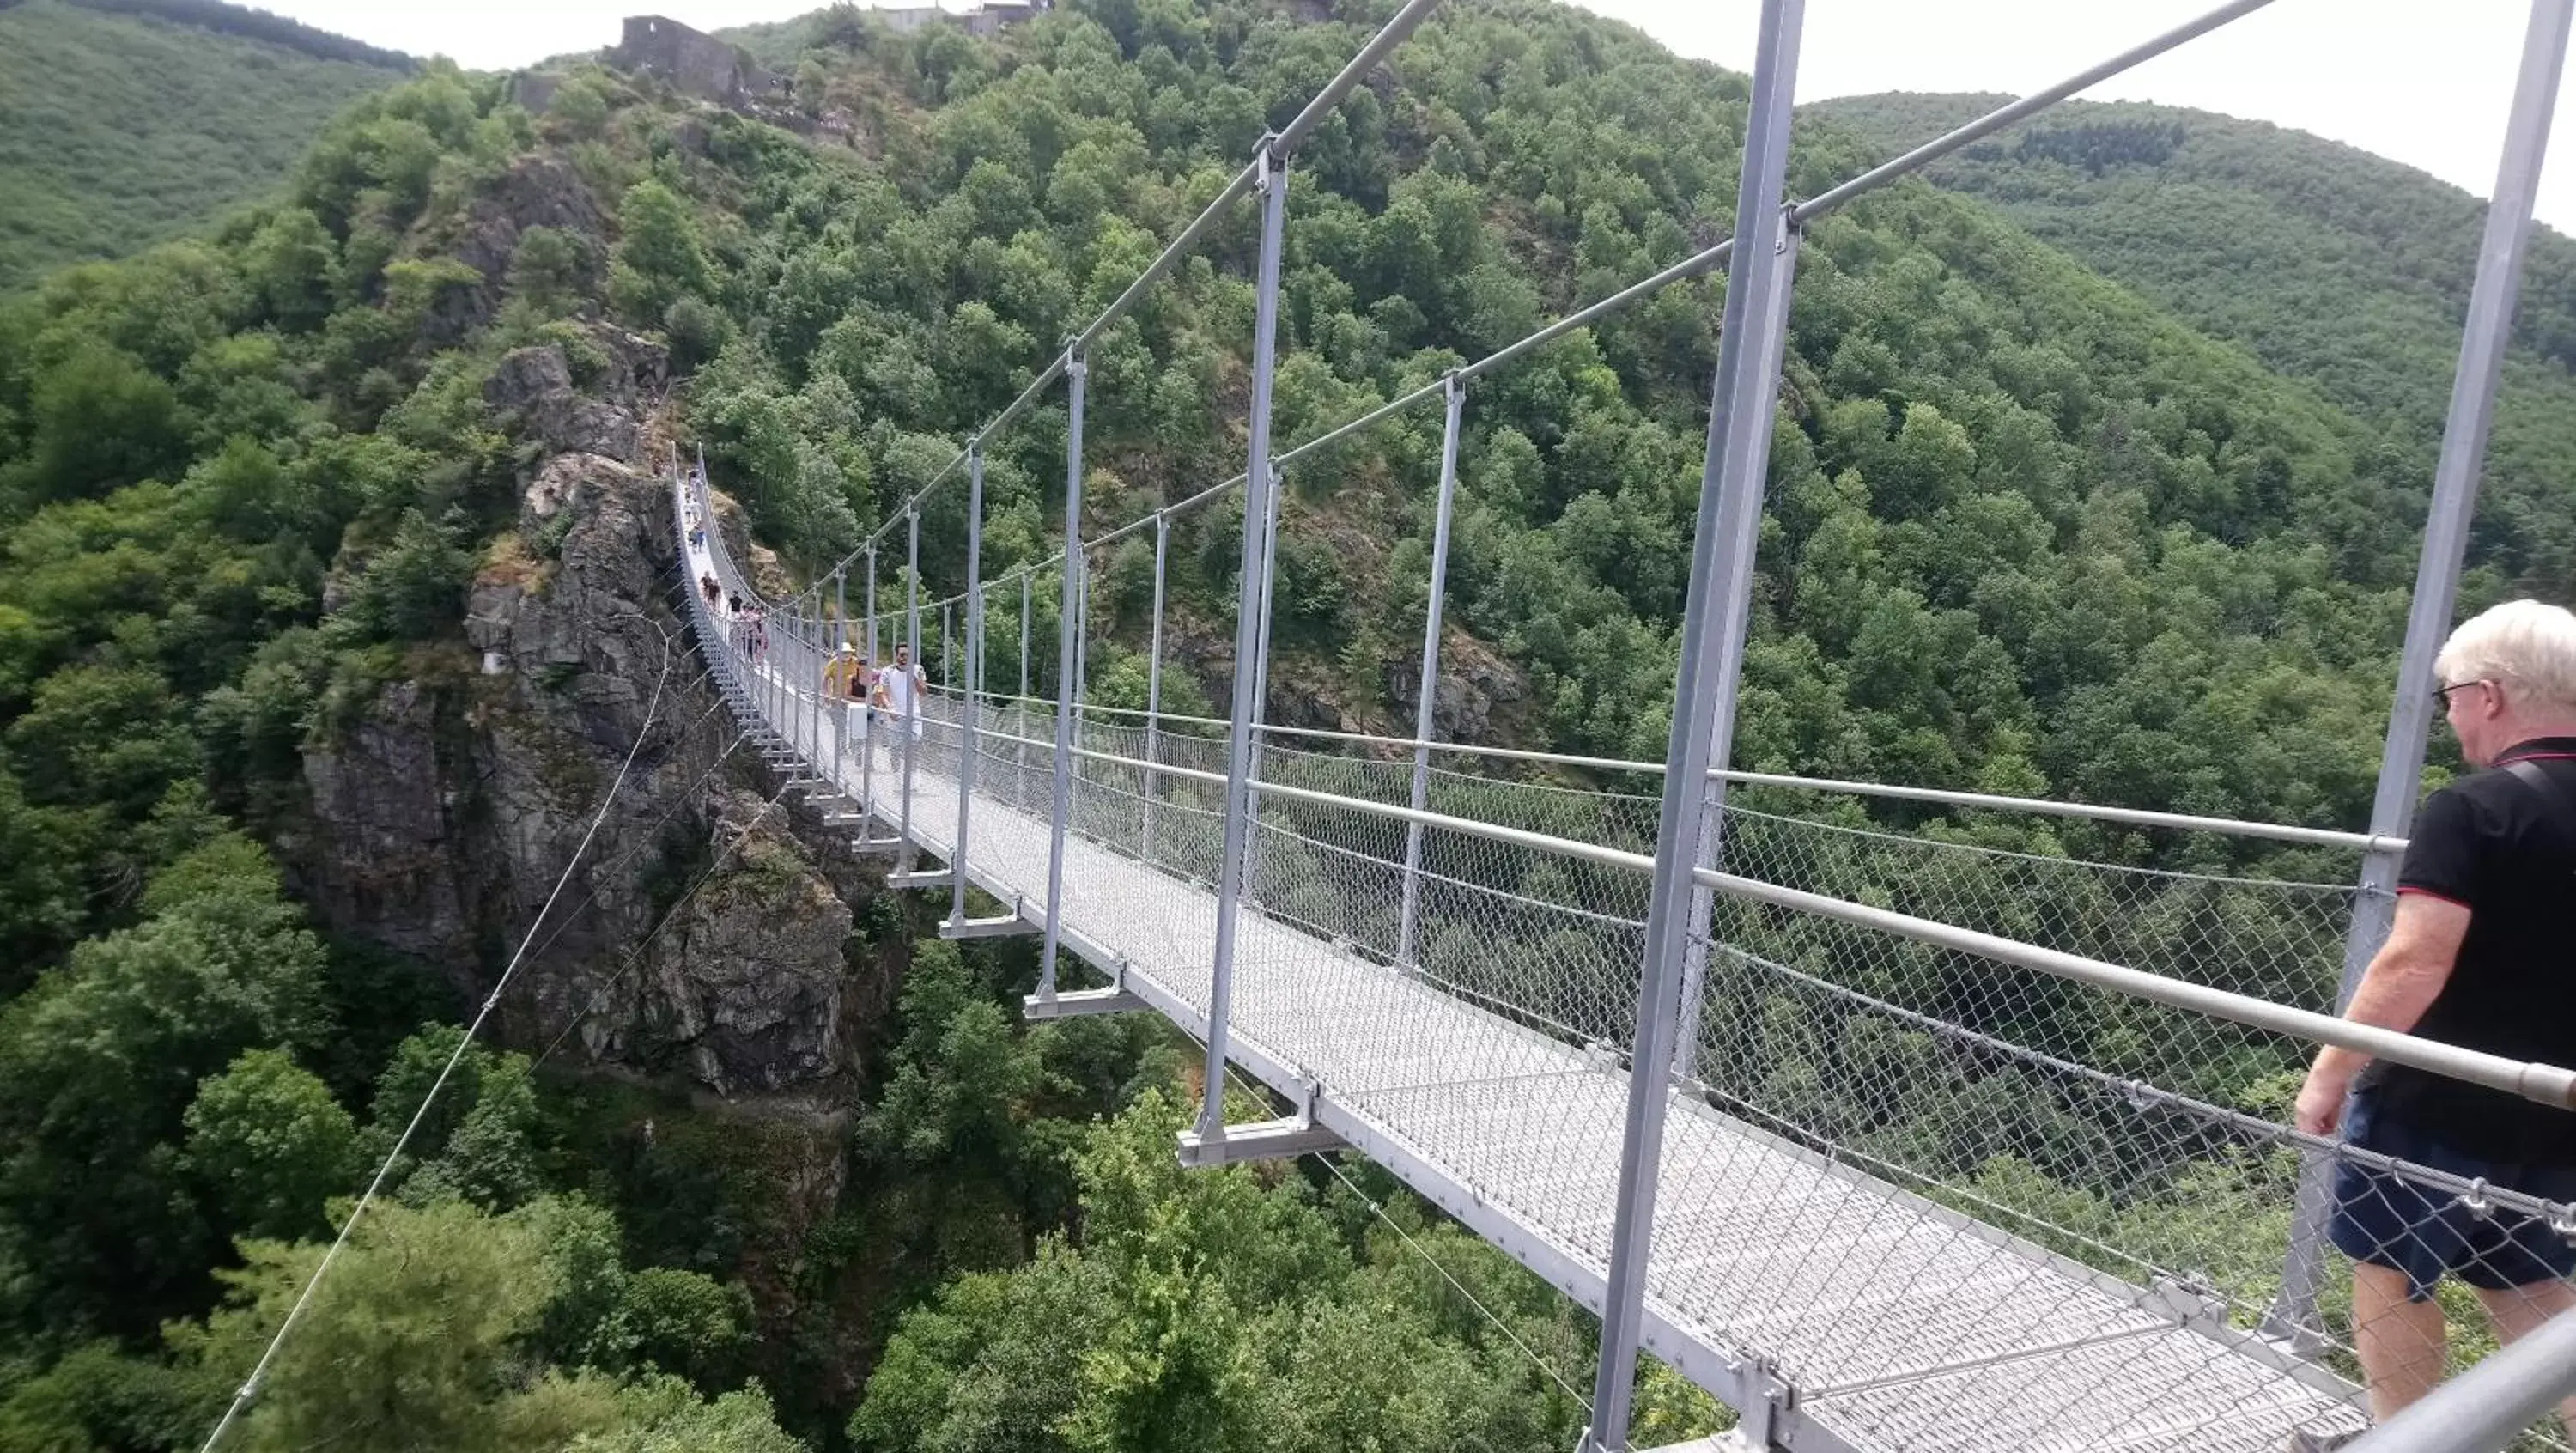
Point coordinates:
[(2130, 816), (2542, 1083)]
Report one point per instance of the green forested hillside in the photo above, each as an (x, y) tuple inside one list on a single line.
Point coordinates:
[(118, 130), (2028, 531), (2331, 265)]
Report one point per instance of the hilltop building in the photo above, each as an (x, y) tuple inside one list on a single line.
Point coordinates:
[(694, 62), (984, 19)]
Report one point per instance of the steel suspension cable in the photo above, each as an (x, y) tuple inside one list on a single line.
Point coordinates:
[(250, 1386)]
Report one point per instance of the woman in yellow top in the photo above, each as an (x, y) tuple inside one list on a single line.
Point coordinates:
[(848, 681)]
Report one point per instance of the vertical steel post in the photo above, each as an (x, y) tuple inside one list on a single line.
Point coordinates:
[(966, 707), (841, 708), (1248, 685), (1261, 703), (1020, 754), (1077, 373), (1409, 924), (1081, 664), (868, 746), (1082, 633), (906, 730), (1714, 621), (2483, 339), (1154, 688)]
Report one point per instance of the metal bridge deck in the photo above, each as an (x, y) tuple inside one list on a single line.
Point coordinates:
[(1904, 1324)]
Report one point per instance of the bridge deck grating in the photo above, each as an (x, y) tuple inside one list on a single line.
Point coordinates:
[(1939, 1334)]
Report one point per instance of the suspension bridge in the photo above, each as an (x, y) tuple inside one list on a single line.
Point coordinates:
[(1891, 1142)]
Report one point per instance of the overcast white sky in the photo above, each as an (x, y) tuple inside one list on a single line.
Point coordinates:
[(2426, 84)]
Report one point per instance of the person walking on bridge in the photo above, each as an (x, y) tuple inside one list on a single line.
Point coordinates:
[(904, 687), (847, 680), (899, 691), (2481, 955)]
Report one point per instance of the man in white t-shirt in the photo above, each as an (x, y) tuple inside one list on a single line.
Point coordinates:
[(904, 686)]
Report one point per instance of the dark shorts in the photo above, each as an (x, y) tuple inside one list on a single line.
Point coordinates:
[(2424, 1231)]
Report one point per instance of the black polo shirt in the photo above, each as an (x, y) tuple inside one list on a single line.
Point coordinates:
[(2505, 850)]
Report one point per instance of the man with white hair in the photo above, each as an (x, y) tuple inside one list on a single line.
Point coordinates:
[(2483, 955)]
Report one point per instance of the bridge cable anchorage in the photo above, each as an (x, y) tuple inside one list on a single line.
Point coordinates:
[(250, 1385)]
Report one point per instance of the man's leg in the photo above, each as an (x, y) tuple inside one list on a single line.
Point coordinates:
[(2401, 1342), (2516, 1310)]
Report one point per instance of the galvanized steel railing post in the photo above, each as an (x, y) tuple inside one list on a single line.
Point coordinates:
[(1250, 592), (1077, 375), (947, 648), (974, 664), (1428, 689), (1082, 634), (1081, 667), (2293, 1315), (1712, 649), (1154, 688), (1020, 753), (844, 648), (908, 728), (1261, 674), (867, 713)]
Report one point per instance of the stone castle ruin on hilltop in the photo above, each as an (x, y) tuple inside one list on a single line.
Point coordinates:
[(698, 64), (694, 62)]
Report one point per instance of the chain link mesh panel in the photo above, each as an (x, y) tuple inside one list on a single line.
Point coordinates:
[(1955, 1202)]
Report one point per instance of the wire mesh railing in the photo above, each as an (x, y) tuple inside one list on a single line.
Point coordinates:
[(2025, 1135), (1967, 1132)]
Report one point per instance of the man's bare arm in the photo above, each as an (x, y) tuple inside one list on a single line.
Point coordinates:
[(2403, 980)]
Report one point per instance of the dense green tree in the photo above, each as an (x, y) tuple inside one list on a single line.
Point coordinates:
[(99, 1063), (270, 1146), (658, 260)]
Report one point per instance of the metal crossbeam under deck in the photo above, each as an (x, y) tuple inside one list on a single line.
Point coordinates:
[(1917, 1329)]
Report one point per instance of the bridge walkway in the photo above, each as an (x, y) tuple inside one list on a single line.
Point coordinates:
[(1889, 1315)]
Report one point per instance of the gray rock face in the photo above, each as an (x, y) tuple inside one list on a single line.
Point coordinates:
[(536, 387), (745, 982), (1474, 683), (443, 820), (387, 811), (535, 192)]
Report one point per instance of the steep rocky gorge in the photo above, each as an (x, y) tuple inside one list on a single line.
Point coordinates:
[(441, 820)]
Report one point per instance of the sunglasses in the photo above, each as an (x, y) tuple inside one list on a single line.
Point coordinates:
[(2442, 694)]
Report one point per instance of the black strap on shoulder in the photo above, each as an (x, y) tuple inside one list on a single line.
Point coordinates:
[(2530, 774)]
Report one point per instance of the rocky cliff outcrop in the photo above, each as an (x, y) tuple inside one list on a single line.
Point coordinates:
[(536, 389), (699, 931), (537, 191)]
